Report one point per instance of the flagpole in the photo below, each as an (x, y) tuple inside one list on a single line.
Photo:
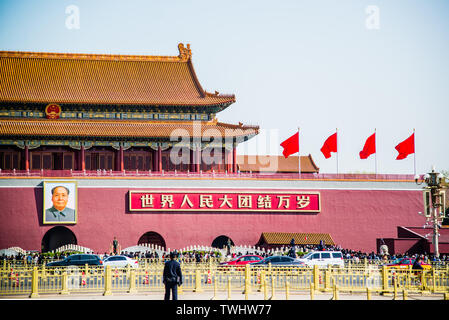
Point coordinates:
[(299, 158), (375, 155), (414, 153), (336, 130)]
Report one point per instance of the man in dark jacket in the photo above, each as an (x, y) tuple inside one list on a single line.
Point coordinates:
[(418, 270), (172, 277), (417, 264), (292, 251)]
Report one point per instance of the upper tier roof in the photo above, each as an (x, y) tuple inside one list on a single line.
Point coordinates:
[(32, 77)]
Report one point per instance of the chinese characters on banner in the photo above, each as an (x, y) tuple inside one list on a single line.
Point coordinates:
[(188, 200)]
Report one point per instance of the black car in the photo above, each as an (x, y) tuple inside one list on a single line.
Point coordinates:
[(278, 261), (77, 260)]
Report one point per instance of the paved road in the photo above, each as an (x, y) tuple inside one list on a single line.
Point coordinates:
[(234, 296)]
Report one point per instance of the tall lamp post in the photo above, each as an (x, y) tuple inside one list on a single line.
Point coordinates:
[(433, 202)]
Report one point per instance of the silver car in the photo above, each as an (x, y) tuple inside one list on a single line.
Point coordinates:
[(120, 262)]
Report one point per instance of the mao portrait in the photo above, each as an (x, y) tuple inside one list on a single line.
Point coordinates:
[(60, 202)]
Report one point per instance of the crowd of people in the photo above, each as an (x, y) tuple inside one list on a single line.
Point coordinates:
[(358, 256), (38, 258)]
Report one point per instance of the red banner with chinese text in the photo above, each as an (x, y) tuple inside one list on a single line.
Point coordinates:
[(205, 200)]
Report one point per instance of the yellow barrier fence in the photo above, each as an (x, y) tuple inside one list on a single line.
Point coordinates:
[(272, 282)]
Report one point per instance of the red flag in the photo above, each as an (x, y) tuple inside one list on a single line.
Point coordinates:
[(330, 145), (369, 148), (291, 145), (406, 147)]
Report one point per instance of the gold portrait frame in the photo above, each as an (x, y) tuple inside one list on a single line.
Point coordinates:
[(214, 191), (72, 203)]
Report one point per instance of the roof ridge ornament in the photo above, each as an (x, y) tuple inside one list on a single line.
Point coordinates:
[(184, 52)]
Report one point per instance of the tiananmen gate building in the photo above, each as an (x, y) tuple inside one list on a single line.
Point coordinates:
[(133, 147)]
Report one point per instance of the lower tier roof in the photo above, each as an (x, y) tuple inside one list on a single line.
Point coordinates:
[(122, 128)]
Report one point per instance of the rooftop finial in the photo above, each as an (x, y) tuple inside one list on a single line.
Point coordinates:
[(184, 52)]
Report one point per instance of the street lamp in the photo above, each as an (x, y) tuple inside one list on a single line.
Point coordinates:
[(433, 203)]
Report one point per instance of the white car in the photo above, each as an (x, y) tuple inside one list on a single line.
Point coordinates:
[(323, 258), (120, 262)]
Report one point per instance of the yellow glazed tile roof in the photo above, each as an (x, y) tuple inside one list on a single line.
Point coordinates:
[(103, 79), (121, 128), (270, 163), (283, 238)]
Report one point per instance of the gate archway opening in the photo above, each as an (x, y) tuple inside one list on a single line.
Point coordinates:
[(57, 237), (221, 242), (152, 237)]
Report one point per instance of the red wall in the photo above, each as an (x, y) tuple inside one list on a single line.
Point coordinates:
[(354, 219)]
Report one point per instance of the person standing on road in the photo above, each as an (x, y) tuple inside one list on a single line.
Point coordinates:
[(172, 277), (417, 264), (418, 270)]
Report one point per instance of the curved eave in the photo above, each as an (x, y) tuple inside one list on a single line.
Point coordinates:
[(313, 163), (123, 129), (101, 79), (220, 105)]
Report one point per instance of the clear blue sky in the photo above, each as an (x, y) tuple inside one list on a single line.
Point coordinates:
[(313, 64)]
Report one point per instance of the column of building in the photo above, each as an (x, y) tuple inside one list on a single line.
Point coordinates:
[(230, 159)]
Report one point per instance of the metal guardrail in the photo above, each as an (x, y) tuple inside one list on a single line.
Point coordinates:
[(34, 281)]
